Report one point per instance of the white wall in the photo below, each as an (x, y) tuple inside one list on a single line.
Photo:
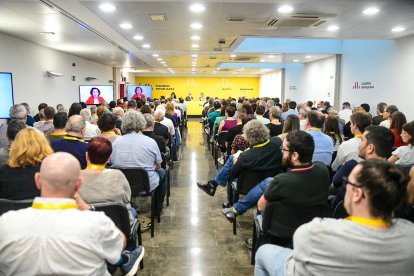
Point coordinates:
[(29, 62), (370, 61), (319, 80), (294, 75), (271, 85)]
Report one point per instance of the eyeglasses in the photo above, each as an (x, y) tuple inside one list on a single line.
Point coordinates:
[(283, 149), (345, 181)]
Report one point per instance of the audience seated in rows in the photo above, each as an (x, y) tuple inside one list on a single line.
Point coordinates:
[(327, 246), (404, 155)]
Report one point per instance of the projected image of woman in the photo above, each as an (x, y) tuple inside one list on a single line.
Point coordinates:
[(95, 97), (138, 94)]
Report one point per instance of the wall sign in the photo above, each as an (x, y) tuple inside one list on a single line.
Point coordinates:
[(363, 85)]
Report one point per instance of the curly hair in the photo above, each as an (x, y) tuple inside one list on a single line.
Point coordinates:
[(255, 132), (133, 121)]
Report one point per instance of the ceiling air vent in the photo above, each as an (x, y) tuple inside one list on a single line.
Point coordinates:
[(298, 20), (244, 58), (213, 57), (236, 19)]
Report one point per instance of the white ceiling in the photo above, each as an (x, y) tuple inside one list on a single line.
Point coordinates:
[(83, 29)]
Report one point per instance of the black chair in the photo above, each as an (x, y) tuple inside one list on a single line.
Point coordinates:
[(245, 182), (140, 186), (220, 146), (119, 214), (280, 221), (12, 205), (339, 210)]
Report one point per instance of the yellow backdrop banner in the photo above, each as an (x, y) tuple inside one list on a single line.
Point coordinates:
[(222, 87)]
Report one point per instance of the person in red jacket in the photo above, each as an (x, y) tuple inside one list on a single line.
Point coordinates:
[(138, 94), (95, 98)]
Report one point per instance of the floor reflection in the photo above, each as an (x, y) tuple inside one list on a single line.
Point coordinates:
[(194, 238)]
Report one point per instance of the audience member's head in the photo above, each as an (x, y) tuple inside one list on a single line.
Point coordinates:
[(159, 115), (291, 123), (255, 132), (146, 109), (59, 120), (59, 176), (346, 105), (107, 122), (41, 106), (29, 148), (360, 120), (112, 104), (76, 125), (13, 127), (98, 150), (93, 109), (397, 121), (366, 107), (292, 105), (118, 112), (18, 112), (316, 119), (101, 110), (300, 146), (26, 105), (150, 121), (260, 110), (376, 141), (377, 185), (132, 104), (86, 114), (381, 108), (230, 111), (389, 110), (74, 109), (275, 112), (49, 112), (407, 134), (133, 121)]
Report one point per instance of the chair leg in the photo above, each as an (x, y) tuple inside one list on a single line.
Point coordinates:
[(234, 199), (254, 240), (152, 215), (168, 187), (141, 265)]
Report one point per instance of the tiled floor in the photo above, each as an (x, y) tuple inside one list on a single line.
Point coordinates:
[(194, 238)]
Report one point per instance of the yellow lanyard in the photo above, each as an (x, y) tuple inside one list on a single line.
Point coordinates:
[(357, 135), (58, 134), (109, 132), (275, 121), (54, 206), (331, 132), (74, 139), (369, 222), (261, 145), (96, 167), (314, 128)]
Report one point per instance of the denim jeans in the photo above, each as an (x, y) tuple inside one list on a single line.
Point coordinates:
[(223, 176), (271, 259), (252, 196)]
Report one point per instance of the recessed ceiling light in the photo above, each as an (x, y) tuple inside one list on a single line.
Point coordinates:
[(308, 56), (194, 55), (165, 65), (295, 60), (271, 56), (195, 37), (262, 60), (285, 9), (159, 58), (107, 7), (195, 46), (146, 46), (197, 8), (138, 37), (333, 28), (125, 26), (155, 55), (163, 62), (398, 29), (370, 11), (233, 56), (196, 26)]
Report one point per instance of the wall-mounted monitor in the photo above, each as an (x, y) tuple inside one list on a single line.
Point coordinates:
[(6, 94), (96, 94), (136, 89)]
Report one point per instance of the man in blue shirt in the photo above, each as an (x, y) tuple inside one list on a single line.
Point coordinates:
[(323, 143)]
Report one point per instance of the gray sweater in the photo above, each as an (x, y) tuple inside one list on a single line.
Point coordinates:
[(342, 247)]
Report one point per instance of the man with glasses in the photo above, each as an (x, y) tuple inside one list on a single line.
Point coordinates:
[(355, 245), (376, 143)]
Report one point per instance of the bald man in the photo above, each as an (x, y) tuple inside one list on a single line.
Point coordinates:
[(58, 235)]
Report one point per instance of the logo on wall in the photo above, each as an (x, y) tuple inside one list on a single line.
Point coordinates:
[(363, 85), (292, 87)]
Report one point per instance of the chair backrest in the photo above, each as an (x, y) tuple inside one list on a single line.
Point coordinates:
[(339, 211), (9, 205), (221, 138), (118, 213), (138, 180), (250, 178), (281, 220)]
